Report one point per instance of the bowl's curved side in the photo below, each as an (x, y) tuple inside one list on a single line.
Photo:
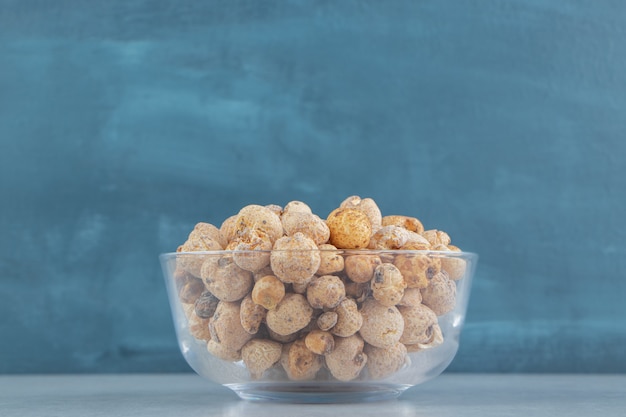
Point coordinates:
[(421, 366)]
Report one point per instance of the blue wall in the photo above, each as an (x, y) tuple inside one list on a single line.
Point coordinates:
[(123, 123)]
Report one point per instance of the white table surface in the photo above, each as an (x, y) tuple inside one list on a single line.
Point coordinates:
[(187, 395)]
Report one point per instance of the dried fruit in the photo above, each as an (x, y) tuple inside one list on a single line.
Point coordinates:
[(294, 289), (293, 313), (349, 228), (325, 292)]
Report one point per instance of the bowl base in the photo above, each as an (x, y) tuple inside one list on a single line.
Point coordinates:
[(316, 394)]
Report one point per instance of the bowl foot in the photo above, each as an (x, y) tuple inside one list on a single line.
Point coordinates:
[(316, 393)]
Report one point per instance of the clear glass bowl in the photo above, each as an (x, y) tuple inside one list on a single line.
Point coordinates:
[(452, 271)]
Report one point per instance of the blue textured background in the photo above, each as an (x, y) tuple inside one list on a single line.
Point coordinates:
[(123, 123)]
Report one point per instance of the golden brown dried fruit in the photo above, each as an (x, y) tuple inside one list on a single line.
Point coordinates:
[(417, 268), (268, 292), (319, 342), (299, 362), (368, 207), (349, 228)]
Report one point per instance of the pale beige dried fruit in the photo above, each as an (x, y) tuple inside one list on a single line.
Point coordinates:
[(412, 297), (327, 320), (228, 230), (360, 268), (393, 237), (408, 223), (268, 292), (299, 362), (311, 288), (224, 279), (300, 287), (436, 237), (290, 315), (259, 218), (308, 224), (181, 277), (282, 338), (388, 285), (259, 355), (200, 239), (295, 259), (331, 260), (418, 324), (226, 328), (382, 326), (199, 327), (440, 295), (191, 290), (297, 207), (188, 309), (251, 315), (435, 340), (347, 359), (349, 228), (357, 291), (349, 319), (262, 273), (252, 250), (455, 267), (319, 342), (382, 362), (326, 291), (276, 209), (223, 352)]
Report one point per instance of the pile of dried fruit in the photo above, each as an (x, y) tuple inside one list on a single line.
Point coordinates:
[(288, 289)]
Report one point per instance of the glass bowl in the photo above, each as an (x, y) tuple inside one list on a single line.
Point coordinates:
[(411, 309)]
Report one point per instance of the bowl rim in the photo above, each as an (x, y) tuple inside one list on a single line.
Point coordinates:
[(436, 253)]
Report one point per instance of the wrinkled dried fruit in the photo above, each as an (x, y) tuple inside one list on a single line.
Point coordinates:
[(206, 305), (259, 355)]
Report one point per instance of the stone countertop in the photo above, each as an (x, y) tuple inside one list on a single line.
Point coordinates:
[(187, 395)]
